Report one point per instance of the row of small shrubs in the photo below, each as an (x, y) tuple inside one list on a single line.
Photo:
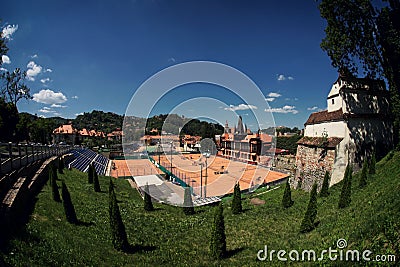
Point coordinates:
[(308, 222)]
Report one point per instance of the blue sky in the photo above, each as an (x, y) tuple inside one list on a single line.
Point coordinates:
[(95, 54)]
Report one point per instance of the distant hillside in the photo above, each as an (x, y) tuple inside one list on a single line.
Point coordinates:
[(35, 129), (172, 123), (98, 120)]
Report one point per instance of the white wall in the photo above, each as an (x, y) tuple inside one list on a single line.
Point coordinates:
[(334, 129)]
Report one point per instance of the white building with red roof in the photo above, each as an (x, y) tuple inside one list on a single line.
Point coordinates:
[(356, 124)]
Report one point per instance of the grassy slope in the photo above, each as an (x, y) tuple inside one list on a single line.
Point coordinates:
[(371, 222)]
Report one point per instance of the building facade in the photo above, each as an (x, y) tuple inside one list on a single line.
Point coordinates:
[(356, 124)]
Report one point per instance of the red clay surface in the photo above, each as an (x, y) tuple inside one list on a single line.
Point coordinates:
[(222, 174)]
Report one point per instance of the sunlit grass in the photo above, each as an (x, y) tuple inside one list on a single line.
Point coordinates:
[(168, 237)]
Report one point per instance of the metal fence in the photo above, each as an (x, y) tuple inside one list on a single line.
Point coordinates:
[(15, 156)]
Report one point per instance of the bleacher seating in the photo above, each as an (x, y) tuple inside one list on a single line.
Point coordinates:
[(84, 157)]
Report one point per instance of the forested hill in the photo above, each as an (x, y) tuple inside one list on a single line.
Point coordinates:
[(32, 128), (98, 120)]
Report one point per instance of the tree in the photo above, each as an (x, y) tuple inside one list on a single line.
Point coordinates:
[(118, 233), (188, 208), (148, 205), (68, 206), (364, 37), (8, 120), (90, 174), (363, 177), (237, 200), (287, 201), (345, 195), (54, 187), (14, 88), (325, 186), (218, 238), (372, 167), (308, 223), (96, 183)]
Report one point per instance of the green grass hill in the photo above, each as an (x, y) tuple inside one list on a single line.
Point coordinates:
[(167, 237)]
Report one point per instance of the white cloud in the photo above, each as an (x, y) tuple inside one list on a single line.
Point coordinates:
[(77, 114), (313, 108), (8, 31), (46, 110), (3, 69), (34, 56), (57, 106), (48, 70), (75, 97), (5, 59), (47, 96), (240, 107), (282, 77), (33, 70), (56, 114), (272, 94), (285, 109), (45, 80)]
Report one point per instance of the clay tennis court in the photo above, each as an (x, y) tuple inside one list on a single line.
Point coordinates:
[(222, 173)]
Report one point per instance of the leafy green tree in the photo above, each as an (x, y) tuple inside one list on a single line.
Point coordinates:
[(118, 232), (345, 195), (372, 167), (90, 174), (363, 35), (218, 238), (69, 209), (325, 185), (287, 201), (364, 173), (236, 200), (8, 121), (188, 208), (308, 223), (96, 183), (148, 204), (54, 187), (288, 143)]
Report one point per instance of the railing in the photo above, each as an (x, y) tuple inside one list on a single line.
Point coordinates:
[(15, 156), (171, 175)]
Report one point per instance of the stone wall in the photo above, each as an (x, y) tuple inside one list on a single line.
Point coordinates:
[(312, 163)]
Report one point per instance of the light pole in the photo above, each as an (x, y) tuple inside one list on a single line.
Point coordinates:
[(159, 152), (201, 179), (207, 155), (171, 159)]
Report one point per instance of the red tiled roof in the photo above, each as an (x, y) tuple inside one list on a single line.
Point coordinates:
[(64, 129), (330, 142), (325, 116)]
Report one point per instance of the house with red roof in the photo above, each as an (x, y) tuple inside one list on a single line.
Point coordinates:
[(355, 125)]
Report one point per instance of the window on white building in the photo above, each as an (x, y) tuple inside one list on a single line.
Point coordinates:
[(333, 101)]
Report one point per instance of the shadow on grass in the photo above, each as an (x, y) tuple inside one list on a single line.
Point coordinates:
[(131, 249), (232, 252), (86, 224)]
